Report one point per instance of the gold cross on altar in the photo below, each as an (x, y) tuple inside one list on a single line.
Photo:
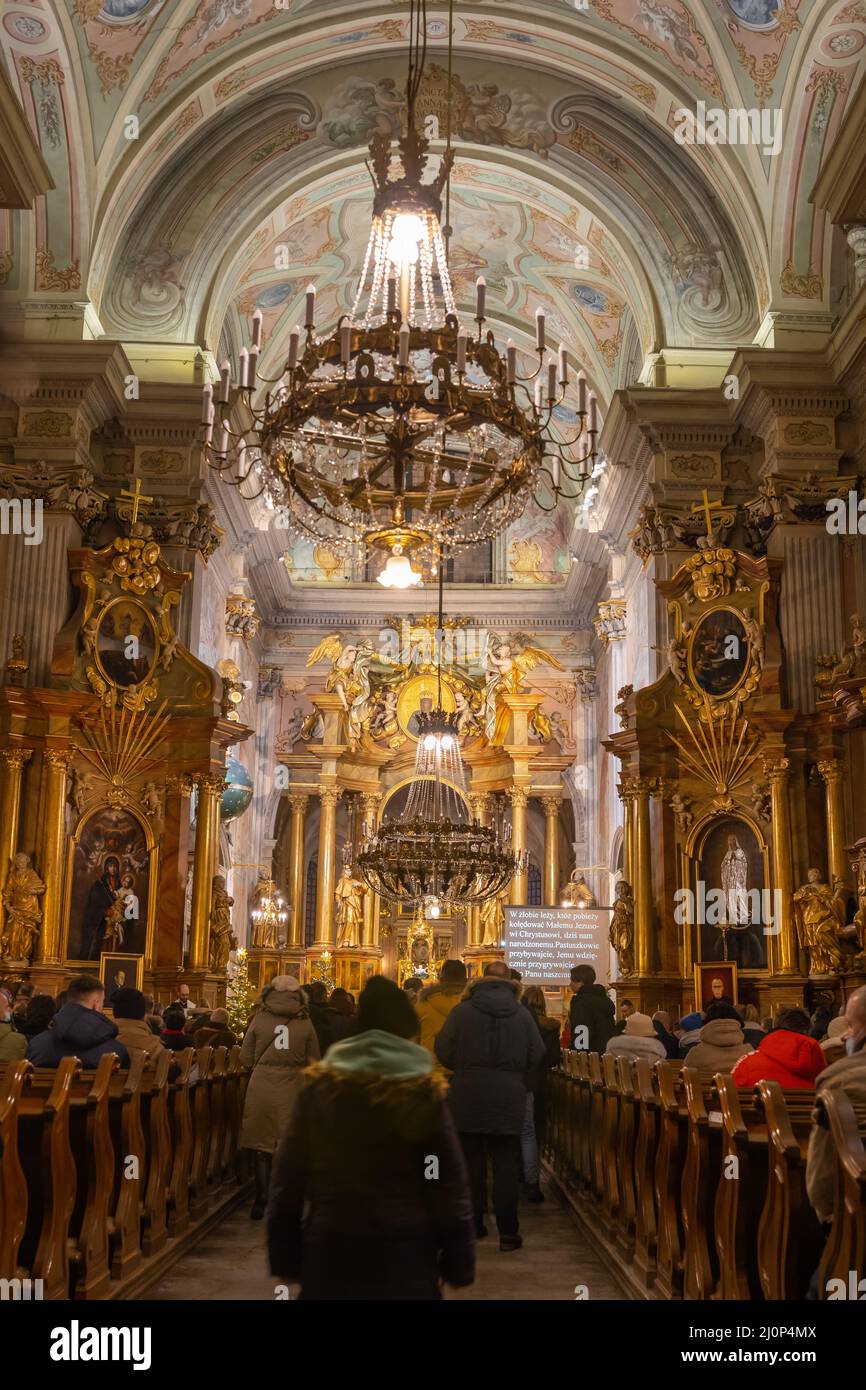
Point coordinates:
[(139, 496), (707, 507)]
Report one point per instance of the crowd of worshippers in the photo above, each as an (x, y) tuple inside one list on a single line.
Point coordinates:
[(383, 1131)]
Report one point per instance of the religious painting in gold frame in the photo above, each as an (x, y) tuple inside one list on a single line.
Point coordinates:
[(117, 970), (718, 653), (715, 981), (102, 834), (418, 688), (126, 643)]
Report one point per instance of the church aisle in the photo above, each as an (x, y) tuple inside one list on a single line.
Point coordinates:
[(229, 1264)]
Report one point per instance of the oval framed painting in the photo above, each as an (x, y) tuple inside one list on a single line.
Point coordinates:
[(127, 644), (719, 652)]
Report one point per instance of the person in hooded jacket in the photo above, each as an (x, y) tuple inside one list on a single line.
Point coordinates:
[(357, 1154), (638, 1039), (787, 1055), (592, 1009), (79, 1029), (661, 1021), (12, 1044), (721, 1042), (491, 1044), (279, 1043), (38, 1016), (435, 1003)]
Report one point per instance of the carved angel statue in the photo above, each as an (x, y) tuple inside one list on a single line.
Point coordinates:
[(492, 922), (818, 924), (80, 788), (23, 914), (858, 637), (349, 677), (151, 802), (621, 934), (220, 926), (506, 664), (468, 717), (681, 807), (349, 893), (383, 720), (761, 800), (292, 732), (675, 651), (755, 634)]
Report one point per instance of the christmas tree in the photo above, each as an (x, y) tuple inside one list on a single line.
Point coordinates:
[(240, 996)]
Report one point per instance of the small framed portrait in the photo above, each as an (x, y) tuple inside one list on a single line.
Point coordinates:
[(719, 652), (120, 972), (715, 981)]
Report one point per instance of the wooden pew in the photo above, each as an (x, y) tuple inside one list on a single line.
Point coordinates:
[(742, 1190), (93, 1155), (180, 1120), (626, 1136), (582, 1120), (13, 1185), (154, 1119), (670, 1159), (233, 1112), (46, 1160), (844, 1256), (596, 1129), (646, 1145), (198, 1186), (130, 1167), (609, 1142), (701, 1175), (217, 1083), (790, 1239)]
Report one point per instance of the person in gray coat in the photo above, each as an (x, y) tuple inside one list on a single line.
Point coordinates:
[(490, 1044), (279, 1043)]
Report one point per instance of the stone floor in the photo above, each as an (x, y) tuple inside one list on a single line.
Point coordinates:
[(556, 1261)]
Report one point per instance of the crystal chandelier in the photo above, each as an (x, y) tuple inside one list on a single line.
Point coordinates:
[(434, 855), (400, 429), (270, 915)]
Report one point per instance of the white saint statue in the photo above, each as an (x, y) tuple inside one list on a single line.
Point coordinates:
[(735, 868)]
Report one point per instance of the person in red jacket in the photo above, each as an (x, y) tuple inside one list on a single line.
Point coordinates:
[(787, 1055)]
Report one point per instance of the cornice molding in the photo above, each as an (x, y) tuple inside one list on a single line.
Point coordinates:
[(24, 175)]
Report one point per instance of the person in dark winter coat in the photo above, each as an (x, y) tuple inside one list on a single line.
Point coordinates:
[(174, 1035), (665, 1034), (535, 1123), (215, 1032), (38, 1016), (79, 1029), (379, 1223), (491, 1045), (591, 1009), (787, 1055)]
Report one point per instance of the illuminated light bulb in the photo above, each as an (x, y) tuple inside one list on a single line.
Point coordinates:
[(429, 743), (447, 742), (407, 230), (398, 572)]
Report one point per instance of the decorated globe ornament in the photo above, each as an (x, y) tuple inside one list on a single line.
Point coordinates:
[(238, 792)]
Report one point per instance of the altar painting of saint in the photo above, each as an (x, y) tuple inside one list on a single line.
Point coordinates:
[(110, 881), (719, 652)]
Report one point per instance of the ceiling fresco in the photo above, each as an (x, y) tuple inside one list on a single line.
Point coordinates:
[(208, 160)]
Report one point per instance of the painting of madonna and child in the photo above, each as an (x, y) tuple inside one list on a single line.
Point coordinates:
[(110, 871), (732, 910)]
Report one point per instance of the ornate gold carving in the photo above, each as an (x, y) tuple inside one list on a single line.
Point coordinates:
[(220, 943), (299, 802), (23, 914), (329, 796), (48, 424), (211, 784), (712, 573), (50, 277), (17, 666), (519, 798), (118, 748), (621, 934), (610, 624), (552, 806), (241, 617), (720, 754), (808, 286), (819, 916), (136, 563), (808, 432), (57, 758), (831, 769), (623, 695), (15, 757)]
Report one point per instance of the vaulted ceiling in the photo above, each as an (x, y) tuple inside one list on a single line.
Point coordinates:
[(208, 158)]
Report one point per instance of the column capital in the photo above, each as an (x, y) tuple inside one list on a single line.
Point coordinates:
[(519, 797), (179, 784), (298, 802), (58, 758), (832, 769), (479, 803), (210, 783), (329, 796), (551, 805), (15, 757), (777, 770)]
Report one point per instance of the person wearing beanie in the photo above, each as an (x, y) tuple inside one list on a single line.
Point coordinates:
[(690, 1032), (721, 1042), (787, 1055), (369, 1198), (492, 1046), (129, 1007), (279, 1043), (833, 1046), (638, 1039)]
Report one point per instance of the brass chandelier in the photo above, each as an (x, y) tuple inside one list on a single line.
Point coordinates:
[(400, 429), (433, 855)]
